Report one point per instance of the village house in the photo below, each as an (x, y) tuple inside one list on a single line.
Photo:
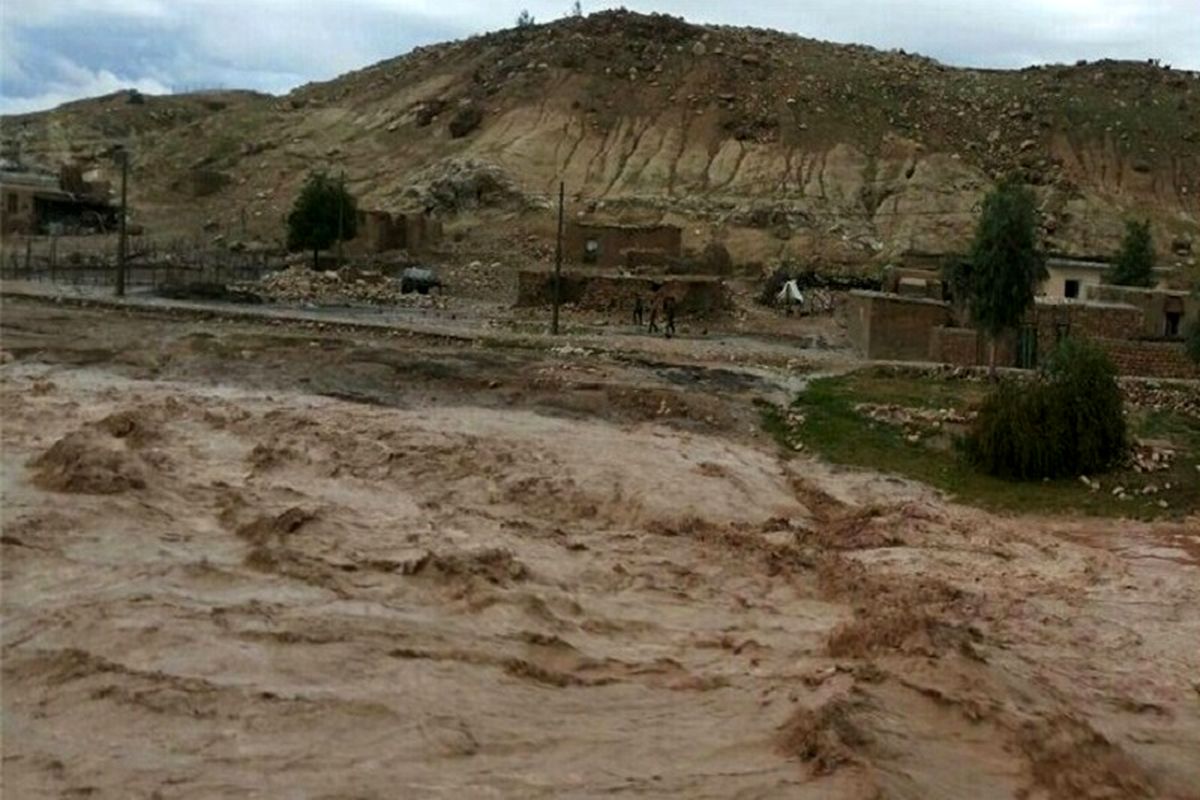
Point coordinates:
[(611, 246), (1141, 329), (35, 202), (381, 231), (1069, 278)]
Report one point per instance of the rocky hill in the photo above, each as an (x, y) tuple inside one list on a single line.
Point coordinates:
[(780, 146)]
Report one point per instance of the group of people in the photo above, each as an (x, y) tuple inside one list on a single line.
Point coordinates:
[(668, 312)]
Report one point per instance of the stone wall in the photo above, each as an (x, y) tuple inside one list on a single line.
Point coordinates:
[(696, 295), (888, 326)]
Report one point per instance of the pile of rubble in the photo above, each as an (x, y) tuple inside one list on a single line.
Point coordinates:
[(1145, 456), (454, 185), (916, 422), (795, 421), (1154, 396), (300, 284)]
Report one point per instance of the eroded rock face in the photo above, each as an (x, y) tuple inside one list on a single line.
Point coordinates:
[(854, 154)]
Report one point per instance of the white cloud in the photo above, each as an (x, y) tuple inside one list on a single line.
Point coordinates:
[(84, 83)]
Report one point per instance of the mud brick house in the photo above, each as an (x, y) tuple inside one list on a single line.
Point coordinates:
[(380, 231), (1141, 329), (34, 202), (610, 246), (889, 326), (1070, 278)]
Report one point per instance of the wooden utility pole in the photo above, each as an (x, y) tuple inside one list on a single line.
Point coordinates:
[(558, 262), (124, 213), (341, 204)]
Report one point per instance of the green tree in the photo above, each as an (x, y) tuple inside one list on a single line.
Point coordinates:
[(1068, 420), (322, 210), (956, 274), (1135, 263), (1006, 264), (525, 19)]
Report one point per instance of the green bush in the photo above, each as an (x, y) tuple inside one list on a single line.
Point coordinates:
[(1069, 420)]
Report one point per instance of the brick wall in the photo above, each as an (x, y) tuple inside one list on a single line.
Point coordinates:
[(1154, 304), (1150, 359), (958, 346), (963, 347), (379, 231), (887, 326), (614, 240), (1095, 320)]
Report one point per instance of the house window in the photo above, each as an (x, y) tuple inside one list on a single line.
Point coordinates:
[(1071, 288), (12, 202), (1173, 320)]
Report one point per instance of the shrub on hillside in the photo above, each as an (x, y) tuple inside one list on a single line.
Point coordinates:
[(1070, 420)]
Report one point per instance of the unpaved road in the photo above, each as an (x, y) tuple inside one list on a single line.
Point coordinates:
[(259, 561)]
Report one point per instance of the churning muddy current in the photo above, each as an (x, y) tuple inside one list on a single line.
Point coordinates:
[(215, 591)]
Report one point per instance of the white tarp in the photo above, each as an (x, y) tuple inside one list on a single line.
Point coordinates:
[(790, 293)]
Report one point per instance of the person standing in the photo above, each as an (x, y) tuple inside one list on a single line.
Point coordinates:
[(653, 317), (669, 312), (638, 311)]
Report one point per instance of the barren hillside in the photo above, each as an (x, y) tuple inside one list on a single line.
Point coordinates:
[(779, 145)]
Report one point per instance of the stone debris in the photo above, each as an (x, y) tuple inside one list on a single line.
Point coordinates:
[(1146, 456), (915, 422), (301, 284), (1155, 396)]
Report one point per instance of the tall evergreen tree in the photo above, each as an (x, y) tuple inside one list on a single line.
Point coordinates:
[(1135, 263), (1006, 264), (322, 210)]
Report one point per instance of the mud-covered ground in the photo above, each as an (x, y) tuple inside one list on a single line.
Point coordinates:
[(243, 560)]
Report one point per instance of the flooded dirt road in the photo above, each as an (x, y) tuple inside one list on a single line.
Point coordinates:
[(243, 560)]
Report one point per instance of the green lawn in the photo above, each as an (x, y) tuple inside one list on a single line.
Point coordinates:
[(832, 429)]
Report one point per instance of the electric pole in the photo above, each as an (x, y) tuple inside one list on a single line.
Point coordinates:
[(558, 262), (341, 196), (124, 155)]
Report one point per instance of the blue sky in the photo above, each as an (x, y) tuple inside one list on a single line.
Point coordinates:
[(52, 51)]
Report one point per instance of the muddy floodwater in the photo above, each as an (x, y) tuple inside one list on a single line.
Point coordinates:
[(247, 560)]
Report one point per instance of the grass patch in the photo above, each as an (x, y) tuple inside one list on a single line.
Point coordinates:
[(824, 419)]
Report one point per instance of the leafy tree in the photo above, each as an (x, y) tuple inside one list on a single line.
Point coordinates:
[(1135, 262), (1005, 261), (956, 274), (577, 9), (322, 208), (1069, 421), (525, 19)]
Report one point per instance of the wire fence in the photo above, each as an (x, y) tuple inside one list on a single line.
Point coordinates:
[(153, 263)]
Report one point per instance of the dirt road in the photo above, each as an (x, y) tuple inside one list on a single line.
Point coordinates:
[(244, 560)]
